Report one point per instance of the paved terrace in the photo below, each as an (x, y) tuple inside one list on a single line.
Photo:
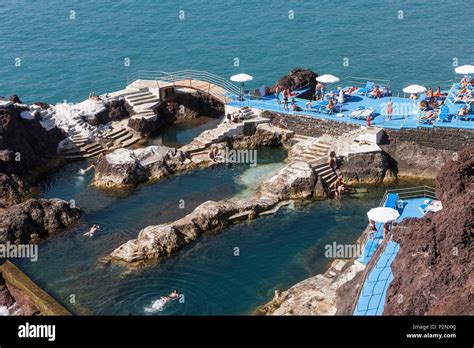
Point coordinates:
[(405, 113)]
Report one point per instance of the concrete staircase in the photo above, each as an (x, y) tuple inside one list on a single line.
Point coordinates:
[(326, 174), (315, 152), (222, 132), (122, 137), (143, 98), (84, 148), (142, 102)]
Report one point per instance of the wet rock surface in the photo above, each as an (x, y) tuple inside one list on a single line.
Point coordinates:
[(323, 294), (125, 167), (163, 240), (433, 270), (265, 135), (36, 218)]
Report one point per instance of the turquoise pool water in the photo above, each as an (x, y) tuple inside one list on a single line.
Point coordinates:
[(66, 59), (274, 252)]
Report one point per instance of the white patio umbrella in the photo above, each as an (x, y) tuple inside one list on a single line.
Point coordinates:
[(327, 78), (241, 78), (465, 69), (414, 89), (383, 214)]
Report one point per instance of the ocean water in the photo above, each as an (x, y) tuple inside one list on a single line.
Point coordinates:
[(64, 58)]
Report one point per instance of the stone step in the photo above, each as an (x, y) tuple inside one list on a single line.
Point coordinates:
[(320, 165), (124, 137), (117, 133), (319, 147), (147, 101), (328, 177), (132, 93), (325, 170), (137, 98), (136, 94), (129, 142)]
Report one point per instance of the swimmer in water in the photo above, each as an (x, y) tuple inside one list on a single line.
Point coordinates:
[(174, 294), (84, 171), (92, 231)]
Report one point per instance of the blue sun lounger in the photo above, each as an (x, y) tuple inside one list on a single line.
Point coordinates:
[(444, 114), (425, 205), (391, 201), (368, 87)]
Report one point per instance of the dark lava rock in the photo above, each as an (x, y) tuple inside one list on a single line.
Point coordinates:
[(116, 110), (298, 78), (36, 217), (365, 167), (433, 271), (15, 99), (13, 190), (33, 147)]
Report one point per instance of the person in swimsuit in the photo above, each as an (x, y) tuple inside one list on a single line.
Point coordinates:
[(389, 109), (92, 231)]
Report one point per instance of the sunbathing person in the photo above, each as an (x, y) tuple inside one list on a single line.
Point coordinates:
[(437, 93), (376, 92), (293, 105), (430, 117), (429, 93), (465, 97), (463, 111), (433, 103), (350, 90), (330, 105)]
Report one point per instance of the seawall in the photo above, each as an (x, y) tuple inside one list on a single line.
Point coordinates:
[(418, 152), (25, 292)]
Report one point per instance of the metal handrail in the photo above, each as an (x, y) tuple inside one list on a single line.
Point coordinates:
[(173, 77)]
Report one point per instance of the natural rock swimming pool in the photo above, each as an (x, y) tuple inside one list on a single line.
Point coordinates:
[(230, 272)]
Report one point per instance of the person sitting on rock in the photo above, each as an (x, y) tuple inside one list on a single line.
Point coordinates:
[(338, 187)]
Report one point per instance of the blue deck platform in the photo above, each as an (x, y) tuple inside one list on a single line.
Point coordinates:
[(405, 113), (372, 297)]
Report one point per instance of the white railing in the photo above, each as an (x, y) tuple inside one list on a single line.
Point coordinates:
[(183, 75)]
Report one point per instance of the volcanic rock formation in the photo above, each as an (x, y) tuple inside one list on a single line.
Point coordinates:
[(434, 271)]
